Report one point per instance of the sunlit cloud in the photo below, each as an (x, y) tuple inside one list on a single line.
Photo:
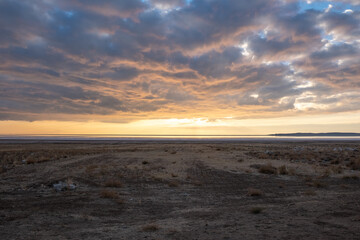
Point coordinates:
[(185, 62)]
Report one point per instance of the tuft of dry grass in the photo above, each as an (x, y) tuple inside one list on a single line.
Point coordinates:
[(113, 183), (310, 193), (150, 228), (120, 201), (317, 184), (145, 162), (256, 210), (326, 173), (253, 192), (291, 171), (283, 170), (349, 177), (194, 181), (109, 194), (337, 169), (355, 164), (173, 184), (267, 169), (90, 169), (31, 160)]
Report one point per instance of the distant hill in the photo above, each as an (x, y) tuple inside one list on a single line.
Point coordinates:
[(329, 134)]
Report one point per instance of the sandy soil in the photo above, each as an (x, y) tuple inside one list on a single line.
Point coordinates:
[(109, 190)]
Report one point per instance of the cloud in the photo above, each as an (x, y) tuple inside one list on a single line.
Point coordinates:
[(156, 58)]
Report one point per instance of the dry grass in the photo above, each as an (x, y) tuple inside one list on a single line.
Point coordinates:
[(355, 164), (113, 183), (283, 170), (267, 169), (195, 182), (89, 169), (351, 177), (326, 173), (253, 192), (120, 201), (37, 159), (150, 228), (109, 194), (317, 184), (309, 193), (173, 184), (256, 210), (337, 169)]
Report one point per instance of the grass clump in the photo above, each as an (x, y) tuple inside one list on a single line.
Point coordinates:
[(267, 169), (150, 228), (113, 183), (350, 177), (173, 184), (317, 184), (112, 195), (109, 194), (355, 164), (283, 170), (310, 193), (256, 210), (253, 192)]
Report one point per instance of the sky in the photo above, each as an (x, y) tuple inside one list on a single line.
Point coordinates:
[(179, 67)]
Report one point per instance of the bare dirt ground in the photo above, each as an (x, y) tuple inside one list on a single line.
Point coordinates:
[(109, 190)]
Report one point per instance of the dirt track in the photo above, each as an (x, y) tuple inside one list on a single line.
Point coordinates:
[(180, 191)]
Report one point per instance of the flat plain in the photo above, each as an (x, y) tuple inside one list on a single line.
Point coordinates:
[(180, 190)]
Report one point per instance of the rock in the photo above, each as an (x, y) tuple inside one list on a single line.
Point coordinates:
[(61, 186)]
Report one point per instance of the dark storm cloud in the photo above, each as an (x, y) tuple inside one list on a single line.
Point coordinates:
[(106, 57)]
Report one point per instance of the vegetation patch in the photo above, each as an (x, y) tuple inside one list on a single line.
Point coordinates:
[(150, 228), (268, 169), (256, 210), (253, 192)]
